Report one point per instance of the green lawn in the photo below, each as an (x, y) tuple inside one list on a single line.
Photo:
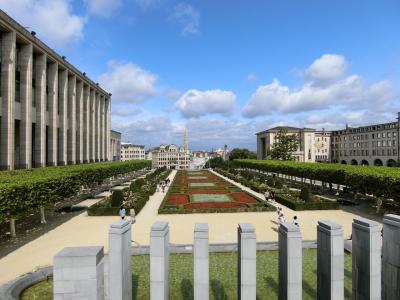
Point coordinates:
[(223, 282)]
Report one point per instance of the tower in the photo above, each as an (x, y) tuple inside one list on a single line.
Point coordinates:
[(186, 140)]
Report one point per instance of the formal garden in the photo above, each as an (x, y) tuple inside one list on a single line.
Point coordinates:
[(205, 192), (223, 277)]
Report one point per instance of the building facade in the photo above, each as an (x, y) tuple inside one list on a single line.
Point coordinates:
[(131, 151), (367, 145), (115, 146), (314, 146), (171, 157), (51, 113)]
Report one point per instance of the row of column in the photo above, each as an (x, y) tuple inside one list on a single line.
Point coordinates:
[(78, 122), (79, 272)]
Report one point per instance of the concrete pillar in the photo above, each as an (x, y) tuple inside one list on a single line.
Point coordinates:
[(200, 260), (107, 134), (41, 97), (104, 143), (247, 274), (120, 271), (26, 61), (79, 122), (62, 116), (330, 261), (102, 138), (7, 100), (86, 122), (52, 99), (78, 273), (98, 118), (159, 261), (366, 259), (290, 262), (391, 258), (92, 126), (71, 120)]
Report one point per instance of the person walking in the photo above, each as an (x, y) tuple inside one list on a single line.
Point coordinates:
[(266, 195), (272, 195), (281, 219), (122, 212)]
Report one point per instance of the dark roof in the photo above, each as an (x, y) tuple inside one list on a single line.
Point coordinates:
[(288, 128)]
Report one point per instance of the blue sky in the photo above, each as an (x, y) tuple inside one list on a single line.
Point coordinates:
[(227, 69)]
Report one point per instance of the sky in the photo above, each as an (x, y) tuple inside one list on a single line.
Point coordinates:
[(228, 69)]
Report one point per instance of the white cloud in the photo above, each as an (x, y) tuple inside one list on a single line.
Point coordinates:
[(188, 17), (195, 103), (126, 111), (321, 90), (326, 69), (53, 20), (251, 77), (128, 82), (103, 8), (147, 4)]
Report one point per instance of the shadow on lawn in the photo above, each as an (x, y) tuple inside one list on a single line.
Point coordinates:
[(135, 284), (218, 290), (187, 289)]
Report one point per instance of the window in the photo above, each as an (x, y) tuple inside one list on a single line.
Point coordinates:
[(373, 135), (389, 135), (383, 143), (384, 135), (379, 143), (379, 135)]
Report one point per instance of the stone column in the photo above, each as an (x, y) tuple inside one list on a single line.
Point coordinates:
[(120, 271), (290, 262), (98, 118), (108, 129), (52, 98), (366, 257), (7, 133), (200, 260), (330, 261), (78, 273), (101, 134), (86, 122), (247, 274), (159, 261), (72, 120), (79, 122), (391, 257), (26, 107), (92, 143), (40, 128), (62, 116)]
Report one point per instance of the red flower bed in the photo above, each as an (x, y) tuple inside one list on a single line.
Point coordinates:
[(216, 205), (177, 199), (242, 197)]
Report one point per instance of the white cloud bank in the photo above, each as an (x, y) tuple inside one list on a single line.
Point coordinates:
[(103, 8), (326, 85), (128, 82), (53, 20), (188, 17), (195, 103)]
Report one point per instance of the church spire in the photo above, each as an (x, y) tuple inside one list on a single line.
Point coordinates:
[(186, 140)]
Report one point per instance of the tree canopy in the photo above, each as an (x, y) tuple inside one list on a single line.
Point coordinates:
[(284, 146), (238, 153)]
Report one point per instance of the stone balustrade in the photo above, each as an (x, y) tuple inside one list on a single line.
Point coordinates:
[(79, 272)]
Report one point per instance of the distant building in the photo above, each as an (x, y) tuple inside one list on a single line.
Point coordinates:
[(314, 146), (130, 151), (115, 145)]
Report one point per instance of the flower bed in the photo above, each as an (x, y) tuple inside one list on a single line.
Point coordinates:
[(195, 195)]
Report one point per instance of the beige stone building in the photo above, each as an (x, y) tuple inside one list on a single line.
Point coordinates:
[(130, 151), (313, 146), (367, 145), (51, 113), (115, 146), (171, 157)]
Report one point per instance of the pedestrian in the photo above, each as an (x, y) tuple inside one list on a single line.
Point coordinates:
[(281, 219), (122, 212), (163, 188), (266, 195), (295, 222), (278, 211), (273, 195)]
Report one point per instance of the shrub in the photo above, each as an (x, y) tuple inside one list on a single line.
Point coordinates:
[(270, 181), (305, 194), (117, 198), (278, 183)]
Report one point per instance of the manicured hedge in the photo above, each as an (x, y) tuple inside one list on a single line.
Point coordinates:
[(289, 201), (380, 181), (24, 191)]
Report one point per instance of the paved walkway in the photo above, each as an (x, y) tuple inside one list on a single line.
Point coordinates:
[(87, 231)]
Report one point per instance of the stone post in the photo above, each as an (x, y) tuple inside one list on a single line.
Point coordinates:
[(391, 257), (86, 123), (120, 271), (159, 261), (200, 259), (78, 273), (247, 275), (290, 262), (366, 257), (330, 261)]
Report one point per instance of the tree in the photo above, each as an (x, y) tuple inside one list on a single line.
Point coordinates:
[(284, 146), (238, 153)]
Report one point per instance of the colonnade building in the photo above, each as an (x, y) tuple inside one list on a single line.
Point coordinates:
[(51, 113)]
